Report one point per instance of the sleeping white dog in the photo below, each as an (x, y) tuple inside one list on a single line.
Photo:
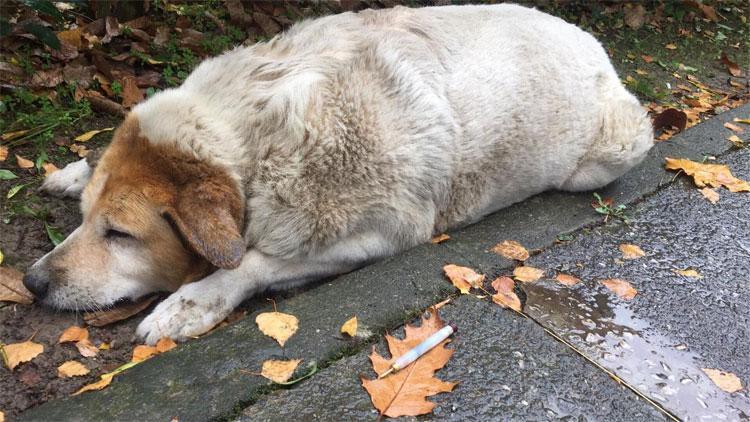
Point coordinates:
[(344, 140)]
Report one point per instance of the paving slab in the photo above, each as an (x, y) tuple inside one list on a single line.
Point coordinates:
[(208, 378)]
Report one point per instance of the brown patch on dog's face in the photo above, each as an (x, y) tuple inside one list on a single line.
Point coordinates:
[(154, 218)]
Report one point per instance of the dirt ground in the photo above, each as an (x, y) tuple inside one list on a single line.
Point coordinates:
[(23, 238)]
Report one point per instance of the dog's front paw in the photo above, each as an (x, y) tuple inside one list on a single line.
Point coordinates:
[(69, 181), (189, 312)]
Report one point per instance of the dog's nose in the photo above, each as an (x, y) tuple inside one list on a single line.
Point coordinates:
[(36, 284)]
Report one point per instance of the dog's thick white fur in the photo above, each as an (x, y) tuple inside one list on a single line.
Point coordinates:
[(356, 136)]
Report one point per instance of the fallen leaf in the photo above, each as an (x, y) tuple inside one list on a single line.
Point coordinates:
[(443, 303), (620, 287), (349, 327), (131, 94), (165, 344), (104, 381), (2, 416), (743, 121), (12, 288), (279, 371), (688, 272), (17, 353), (73, 333), (647, 59), (670, 118), (405, 392), (641, 72), (631, 251), (567, 279), (512, 250), (24, 163), (102, 318), (505, 296), (49, 168), (670, 46), (9, 136), (714, 175), (277, 325), (734, 139), (80, 150), (733, 127), (732, 67), (143, 352), (86, 349), (90, 134), (527, 274), (71, 368), (463, 278), (440, 238), (727, 381), (71, 37), (3, 152), (104, 346), (635, 17), (710, 194)]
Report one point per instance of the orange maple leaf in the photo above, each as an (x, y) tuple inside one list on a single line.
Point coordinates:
[(405, 392)]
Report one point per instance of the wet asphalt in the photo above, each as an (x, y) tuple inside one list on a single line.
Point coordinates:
[(507, 366)]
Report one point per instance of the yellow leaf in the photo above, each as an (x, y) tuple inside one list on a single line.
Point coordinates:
[(527, 274), (3, 152), (13, 135), (641, 72), (710, 194), (505, 295), (2, 416), (350, 327), (727, 381), (620, 287), (567, 279), (277, 325), (17, 353), (736, 141), (105, 380), (80, 150), (279, 371), (90, 134), (2, 257), (142, 352), (670, 46), (104, 346), (714, 175), (11, 286), (165, 344), (512, 250), (689, 273), (733, 127), (440, 238), (745, 121), (86, 349), (71, 368), (463, 278), (73, 333), (405, 392), (24, 163), (631, 251)]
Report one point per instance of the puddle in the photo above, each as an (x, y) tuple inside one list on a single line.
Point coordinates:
[(606, 330)]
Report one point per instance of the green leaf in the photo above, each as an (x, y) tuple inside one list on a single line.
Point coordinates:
[(43, 34), (44, 7), (54, 235), (14, 190), (40, 160), (7, 175)]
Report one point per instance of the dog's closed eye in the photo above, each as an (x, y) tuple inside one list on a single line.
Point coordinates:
[(117, 234)]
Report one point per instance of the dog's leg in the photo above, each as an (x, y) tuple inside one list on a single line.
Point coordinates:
[(69, 181), (197, 307)]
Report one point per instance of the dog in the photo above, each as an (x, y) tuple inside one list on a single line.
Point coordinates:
[(344, 140)]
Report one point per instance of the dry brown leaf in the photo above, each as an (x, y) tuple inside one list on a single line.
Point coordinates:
[(277, 325), (727, 381), (279, 371), (714, 175), (635, 16), (49, 168), (24, 163), (688, 272), (647, 59), (641, 72), (711, 195), (80, 150), (631, 251), (9, 136), (733, 127), (165, 344), (12, 288), (405, 392), (440, 238), (131, 94), (71, 37), (86, 349), (105, 380), (512, 250), (463, 278), (732, 67), (527, 274), (736, 141), (90, 134), (670, 117), (670, 46), (350, 327), (505, 296), (71, 368), (74, 333), (620, 287), (3, 152), (17, 353), (567, 279), (102, 318), (443, 303), (143, 352)]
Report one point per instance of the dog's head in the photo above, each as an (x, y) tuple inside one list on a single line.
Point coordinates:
[(154, 217)]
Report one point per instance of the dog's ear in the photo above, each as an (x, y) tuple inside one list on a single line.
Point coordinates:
[(208, 214)]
